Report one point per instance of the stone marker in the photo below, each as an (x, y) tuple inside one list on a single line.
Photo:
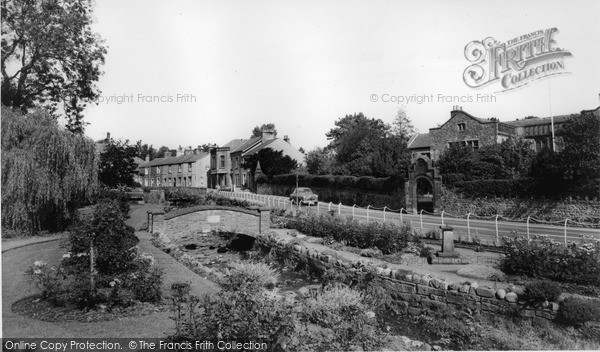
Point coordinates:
[(447, 243)]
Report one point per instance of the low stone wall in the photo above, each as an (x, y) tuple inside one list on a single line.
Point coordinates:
[(585, 211), (416, 294), (202, 219)]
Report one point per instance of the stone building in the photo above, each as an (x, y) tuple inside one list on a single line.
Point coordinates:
[(226, 161), (476, 132), (188, 168)]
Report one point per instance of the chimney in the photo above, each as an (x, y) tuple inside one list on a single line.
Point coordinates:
[(286, 138), (267, 134), (148, 157), (107, 136), (179, 151)]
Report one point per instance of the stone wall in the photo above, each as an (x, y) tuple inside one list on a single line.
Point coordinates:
[(585, 211), (485, 133), (416, 294), (202, 219)]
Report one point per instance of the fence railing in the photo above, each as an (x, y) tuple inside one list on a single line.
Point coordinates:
[(473, 225)]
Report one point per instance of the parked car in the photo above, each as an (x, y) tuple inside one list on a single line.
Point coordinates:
[(304, 195)]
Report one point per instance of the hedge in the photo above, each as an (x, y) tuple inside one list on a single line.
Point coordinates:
[(364, 183), (522, 187)]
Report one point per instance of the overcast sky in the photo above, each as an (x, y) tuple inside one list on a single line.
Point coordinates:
[(304, 64)]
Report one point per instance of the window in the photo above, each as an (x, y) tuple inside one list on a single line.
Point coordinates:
[(473, 144), (222, 159), (146, 170), (170, 171), (461, 127), (179, 168), (158, 170)]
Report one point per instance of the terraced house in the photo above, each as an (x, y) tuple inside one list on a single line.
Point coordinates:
[(475, 132), (188, 168), (226, 161)]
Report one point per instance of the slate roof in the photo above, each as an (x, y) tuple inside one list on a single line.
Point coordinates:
[(538, 121), (419, 141), (171, 160)]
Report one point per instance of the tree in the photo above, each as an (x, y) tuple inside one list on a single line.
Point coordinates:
[(319, 162), (517, 155), (117, 166), (580, 158), (257, 131), (46, 171), (350, 132), (50, 56), (402, 126), (456, 163), (272, 162), (143, 150), (162, 152)]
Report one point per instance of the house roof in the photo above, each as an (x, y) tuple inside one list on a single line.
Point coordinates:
[(419, 141), (538, 121), (259, 147), (170, 160), (234, 144), (249, 143)]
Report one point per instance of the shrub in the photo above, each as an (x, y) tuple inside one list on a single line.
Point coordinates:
[(577, 311), (389, 238), (545, 258), (540, 291), (250, 276), (49, 280), (425, 252)]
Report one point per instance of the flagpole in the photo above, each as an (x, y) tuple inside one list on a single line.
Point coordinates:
[(551, 118)]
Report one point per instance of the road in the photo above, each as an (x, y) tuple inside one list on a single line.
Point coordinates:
[(487, 231)]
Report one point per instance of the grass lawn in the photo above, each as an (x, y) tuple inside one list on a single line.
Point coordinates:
[(15, 287)]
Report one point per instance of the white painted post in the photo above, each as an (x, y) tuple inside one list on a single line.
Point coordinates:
[(496, 229), (469, 227), (340, 208), (401, 210), (384, 213), (329, 209), (528, 227), (318, 208), (566, 220), (353, 211), (442, 218), (368, 206), (421, 219)]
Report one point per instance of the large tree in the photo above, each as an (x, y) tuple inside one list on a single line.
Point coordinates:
[(580, 158), (319, 161), (46, 171), (50, 56), (350, 132), (117, 165), (272, 162), (402, 127)]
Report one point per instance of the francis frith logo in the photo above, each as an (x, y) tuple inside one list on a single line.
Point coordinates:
[(515, 63)]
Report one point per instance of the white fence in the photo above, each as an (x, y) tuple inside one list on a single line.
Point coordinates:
[(474, 226)]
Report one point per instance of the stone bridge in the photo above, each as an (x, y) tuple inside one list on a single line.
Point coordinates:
[(206, 218)]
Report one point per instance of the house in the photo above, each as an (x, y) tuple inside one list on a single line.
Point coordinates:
[(475, 132), (227, 161), (188, 168)]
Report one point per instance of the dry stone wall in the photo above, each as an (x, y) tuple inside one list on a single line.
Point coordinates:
[(416, 294)]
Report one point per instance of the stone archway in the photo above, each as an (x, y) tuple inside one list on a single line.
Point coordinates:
[(423, 187)]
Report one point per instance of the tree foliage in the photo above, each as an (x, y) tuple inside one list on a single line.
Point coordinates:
[(117, 164), (257, 131), (272, 162), (402, 127), (50, 56), (319, 161), (46, 171)]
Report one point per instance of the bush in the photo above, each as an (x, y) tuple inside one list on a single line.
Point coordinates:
[(577, 311), (540, 291), (545, 258), (49, 280), (389, 238), (250, 276)]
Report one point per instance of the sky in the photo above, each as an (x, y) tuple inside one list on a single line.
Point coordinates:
[(193, 72)]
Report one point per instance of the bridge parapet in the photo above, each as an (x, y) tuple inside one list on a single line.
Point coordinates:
[(206, 218)]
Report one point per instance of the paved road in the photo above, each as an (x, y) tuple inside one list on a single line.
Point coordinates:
[(486, 230)]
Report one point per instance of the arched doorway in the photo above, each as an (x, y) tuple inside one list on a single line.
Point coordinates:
[(424, 194), (423, 187)]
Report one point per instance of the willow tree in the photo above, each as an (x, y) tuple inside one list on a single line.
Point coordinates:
[(46, 171)]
